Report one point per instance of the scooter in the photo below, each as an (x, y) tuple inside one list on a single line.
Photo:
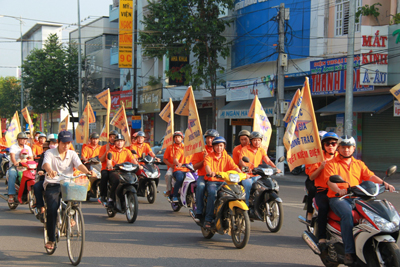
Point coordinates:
[(230, 211), (296, 171), (94, 164), (126, 201), (187, 194), (5, 162), (376, 228), (264, 202), (148, 178), (24, 186)]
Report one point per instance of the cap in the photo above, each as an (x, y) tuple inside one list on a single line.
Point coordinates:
[(65, 136)]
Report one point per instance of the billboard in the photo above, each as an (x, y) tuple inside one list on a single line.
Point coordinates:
[(118, 97), (177, 62), (125, 33), (149, 99)]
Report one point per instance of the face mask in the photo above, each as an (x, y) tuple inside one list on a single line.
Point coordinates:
[(53, 146)]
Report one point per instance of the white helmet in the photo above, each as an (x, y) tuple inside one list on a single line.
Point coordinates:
[(346, 140)]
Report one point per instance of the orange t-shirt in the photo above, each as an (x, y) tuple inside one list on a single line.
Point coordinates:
[(88, 151), (196, 158), (354, 173), (255, 157), (140, 149), (37, 149), (177, 151), (319, 181), (103, 150), (223, 164), (236, 154), (3, 144), (120, 156)]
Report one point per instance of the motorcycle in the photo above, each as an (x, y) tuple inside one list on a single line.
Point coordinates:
[(94, 164), (230, 211), (376, 228), (148, 178), (5, 162), (24, 186), (264, 202), (296, 171), (125, 195), (187, 194)]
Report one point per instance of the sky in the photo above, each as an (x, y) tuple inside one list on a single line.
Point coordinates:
[(34, 11)]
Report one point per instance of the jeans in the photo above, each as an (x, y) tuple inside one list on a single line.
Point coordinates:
[(103, 183), (52, 194), (38, 191), (322, 201), (200, 192), (247, 184), (212, 190), (312, 190), (12, 178), (343, 209), (179, 176)]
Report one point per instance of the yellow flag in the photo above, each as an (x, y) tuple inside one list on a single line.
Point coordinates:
[(103, 134), (301, 138), (167, 114), (121, 122), (291, 106), (105, 99), (63, 126), (82, 131), (193, 135), (396, 91), (13, 130), (28, 119), (261, 123)]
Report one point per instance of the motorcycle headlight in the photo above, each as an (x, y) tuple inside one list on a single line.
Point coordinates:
[(234, 177), (383, 224), (32, 166), (268, 172), (151, 174)]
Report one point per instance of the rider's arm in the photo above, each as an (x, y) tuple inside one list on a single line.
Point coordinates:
[(13, 160), (104, 149), (167, 155), (84, 154), (83, 169), (378, 180), (313, 171), (268, 161)]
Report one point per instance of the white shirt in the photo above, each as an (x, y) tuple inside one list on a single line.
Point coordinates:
[(16, 150), (66, 166)]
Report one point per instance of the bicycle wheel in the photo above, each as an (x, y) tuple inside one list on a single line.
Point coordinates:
[(75, 234)]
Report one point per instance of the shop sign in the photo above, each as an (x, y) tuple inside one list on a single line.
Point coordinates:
[(374, 55), (242, 122), (328, 76), (149, 98), (396, 108), (247, 89), (136, 122)]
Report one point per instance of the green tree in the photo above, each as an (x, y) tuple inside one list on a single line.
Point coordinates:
[(182, 26), (10, 96)]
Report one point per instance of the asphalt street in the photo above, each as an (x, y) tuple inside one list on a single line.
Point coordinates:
[(161, 237)]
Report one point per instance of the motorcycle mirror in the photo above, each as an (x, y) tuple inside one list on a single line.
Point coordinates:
[(281, 159), (337, 179), (392, 169), (246, 159), (133, 151), (109, 156)]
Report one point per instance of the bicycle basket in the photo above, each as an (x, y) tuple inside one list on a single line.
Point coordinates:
[(74, 191)]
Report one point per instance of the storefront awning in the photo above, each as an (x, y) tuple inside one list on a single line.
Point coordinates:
[(361, 104), (240, 109)]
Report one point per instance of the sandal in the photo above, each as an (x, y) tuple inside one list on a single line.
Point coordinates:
[(50, 245), (207, 225)]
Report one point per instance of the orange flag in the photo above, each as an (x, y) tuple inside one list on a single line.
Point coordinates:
[(28, 119), (82, 131), (167, 114), (193, 135), (105, 99), (63, 126), (121, 122), (261, 123)]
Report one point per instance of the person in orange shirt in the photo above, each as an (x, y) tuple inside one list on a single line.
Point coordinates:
[(317, 187), (120, 154), (244, 141), (217, 161), (37, 148), (3, 144), (256, 155), (353, 171), (141, 147), (174, 158), (92, 149), (198, 164)]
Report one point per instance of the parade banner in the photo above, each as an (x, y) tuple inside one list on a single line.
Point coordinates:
[(396, 91), (121, 123), (63, 126), (301, 138), (28, 119), (13, 130), (261, 123), (167, 114), (103, 134), (82, 131), (193, 135), (105, 99)]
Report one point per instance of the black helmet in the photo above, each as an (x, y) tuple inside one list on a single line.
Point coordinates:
[(119, 137), (113, 132), (255, 135), (218, 140), (244, 132), (22, 135), (94, 135), (211, 132)]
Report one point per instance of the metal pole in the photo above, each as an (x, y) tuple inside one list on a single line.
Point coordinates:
[(348, 126), (79, 64), (22, 80), (280, 151)]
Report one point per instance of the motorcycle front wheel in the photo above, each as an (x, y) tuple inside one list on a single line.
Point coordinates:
[(151, 192), (274, 214), (390, 255), (240, 231), (131, 207), (175, 206), (207, 233)]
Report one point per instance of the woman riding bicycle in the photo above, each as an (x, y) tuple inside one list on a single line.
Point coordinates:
[(58, 160)]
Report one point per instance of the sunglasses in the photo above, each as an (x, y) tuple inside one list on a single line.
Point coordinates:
[(331, 144)]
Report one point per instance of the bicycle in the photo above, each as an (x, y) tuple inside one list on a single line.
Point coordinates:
[(70, 221)]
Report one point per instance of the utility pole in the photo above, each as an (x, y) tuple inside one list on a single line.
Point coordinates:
[(79, 64), (22, 79), (348, 126), (282, 62)]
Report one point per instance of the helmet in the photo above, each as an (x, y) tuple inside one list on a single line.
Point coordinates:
[(22, 135), (211, 132), (244, 132), (38, 132), (140, 133), (218, 140), (321, 134), (42, 135), (27, 132), (255, 135), (113, 132), (4, 131), (346, 140), (329, 135), (119, 137), (52, 137), (24, 151), (94, 135), (178, 133)]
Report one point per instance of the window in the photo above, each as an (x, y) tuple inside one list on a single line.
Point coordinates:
[(342, 17)]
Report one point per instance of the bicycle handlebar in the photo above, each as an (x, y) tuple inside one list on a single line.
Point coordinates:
[(73, 177)]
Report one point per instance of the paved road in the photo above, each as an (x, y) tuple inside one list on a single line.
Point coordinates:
[(159, 237)]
